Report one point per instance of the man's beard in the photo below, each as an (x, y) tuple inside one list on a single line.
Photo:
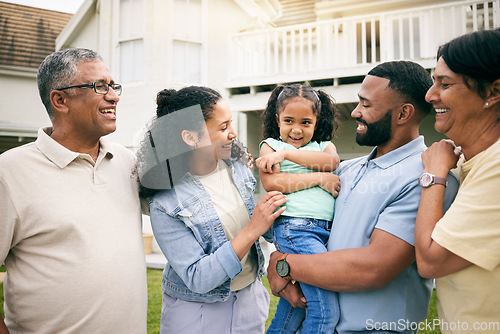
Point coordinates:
[(377, 133)]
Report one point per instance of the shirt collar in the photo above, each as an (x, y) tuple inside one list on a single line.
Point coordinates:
[(417, 145), (59, 154)]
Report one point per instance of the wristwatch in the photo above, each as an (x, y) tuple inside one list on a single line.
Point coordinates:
[(427, 179), (282, 267)]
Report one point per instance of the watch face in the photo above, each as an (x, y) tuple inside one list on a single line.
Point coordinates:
[(282, 268), (425, 180)]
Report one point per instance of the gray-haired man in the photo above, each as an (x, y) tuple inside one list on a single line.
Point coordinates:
[(70, 216)]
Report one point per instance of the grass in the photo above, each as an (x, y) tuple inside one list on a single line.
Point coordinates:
[(155, 299), (154, 306), (272, 304)]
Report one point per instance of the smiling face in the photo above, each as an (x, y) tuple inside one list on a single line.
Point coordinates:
[(374, 112), (297, 122), (92, 115), (220, 130), (459, 109)]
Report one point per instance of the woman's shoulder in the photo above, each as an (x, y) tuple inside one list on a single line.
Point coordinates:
[(164, 198), (174, 199)]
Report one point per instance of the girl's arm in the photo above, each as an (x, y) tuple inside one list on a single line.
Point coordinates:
[(288, 182), (326, 161)]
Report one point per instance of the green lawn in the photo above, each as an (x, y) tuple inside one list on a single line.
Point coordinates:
[(154, 303), (154, 300), (154, 307)]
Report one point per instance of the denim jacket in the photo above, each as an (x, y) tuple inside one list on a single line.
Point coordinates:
[(201, 261)]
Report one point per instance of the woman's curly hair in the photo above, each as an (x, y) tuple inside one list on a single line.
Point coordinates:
[(169, 101)]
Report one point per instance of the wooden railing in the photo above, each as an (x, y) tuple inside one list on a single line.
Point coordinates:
[(315, 49)]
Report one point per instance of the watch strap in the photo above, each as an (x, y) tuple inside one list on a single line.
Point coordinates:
[(440, 180), (283, 257)]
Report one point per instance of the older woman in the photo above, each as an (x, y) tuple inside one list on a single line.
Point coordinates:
[(462, 247)]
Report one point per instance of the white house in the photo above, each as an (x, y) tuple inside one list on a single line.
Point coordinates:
[(27, 36), (243, 48)]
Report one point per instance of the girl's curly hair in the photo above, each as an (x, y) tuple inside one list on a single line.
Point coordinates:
[(323, 107)]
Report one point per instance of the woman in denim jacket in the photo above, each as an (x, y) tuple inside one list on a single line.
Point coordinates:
[(207, 224)]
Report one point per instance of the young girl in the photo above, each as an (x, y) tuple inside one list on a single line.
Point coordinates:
[(204, 224), (297, 158)]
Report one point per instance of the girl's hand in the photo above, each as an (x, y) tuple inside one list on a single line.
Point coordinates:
[(330, 182), (267, 163), (441, 157), (265, 212), (250, 163)]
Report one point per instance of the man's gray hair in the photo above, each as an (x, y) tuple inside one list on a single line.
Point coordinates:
[(59, 70)]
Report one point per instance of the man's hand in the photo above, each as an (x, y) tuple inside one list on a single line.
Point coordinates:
[(282, 287), (293, 294), (3, 327), (276, 282)]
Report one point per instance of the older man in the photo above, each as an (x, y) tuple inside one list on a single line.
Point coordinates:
[(371, 258), (70, 216)]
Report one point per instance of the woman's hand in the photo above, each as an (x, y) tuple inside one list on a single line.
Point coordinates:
[(263, 216), (330, 182), (267, 163), (266, 211), (441, 157)]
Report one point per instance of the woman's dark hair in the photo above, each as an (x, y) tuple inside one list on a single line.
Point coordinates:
[(476, 56), (323, 107), (170, 100), (189, 101)]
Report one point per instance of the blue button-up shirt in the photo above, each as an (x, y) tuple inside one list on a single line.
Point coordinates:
[(383, 193)]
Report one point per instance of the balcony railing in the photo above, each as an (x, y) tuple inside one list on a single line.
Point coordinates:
[(321, 49)]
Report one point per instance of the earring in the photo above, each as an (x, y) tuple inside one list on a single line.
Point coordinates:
[(487, 104)]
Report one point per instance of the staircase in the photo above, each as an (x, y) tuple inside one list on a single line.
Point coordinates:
[(296, 12)]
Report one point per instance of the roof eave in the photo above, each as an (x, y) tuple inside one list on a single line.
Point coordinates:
[(74, 25), (18, 71)]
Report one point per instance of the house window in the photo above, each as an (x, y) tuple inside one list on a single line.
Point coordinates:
[(187, 41), (132, 67), (131, 42), (187, 62)]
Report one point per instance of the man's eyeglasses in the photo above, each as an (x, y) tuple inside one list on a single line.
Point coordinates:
[(100, 87)]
